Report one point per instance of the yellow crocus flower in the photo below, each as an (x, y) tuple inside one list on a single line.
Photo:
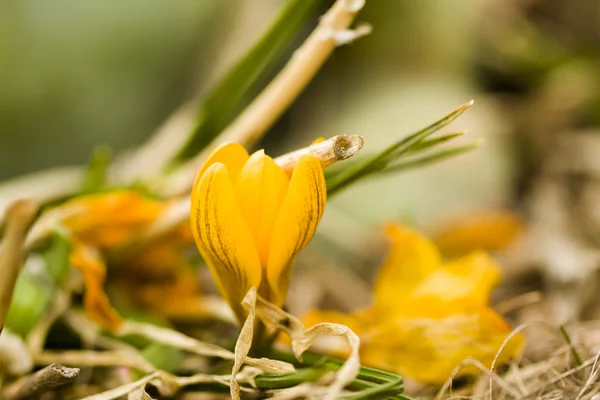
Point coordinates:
[(250, 219)]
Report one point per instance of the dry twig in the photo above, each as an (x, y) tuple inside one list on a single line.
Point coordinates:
[(17, 219), (51, 377), (330, 151)]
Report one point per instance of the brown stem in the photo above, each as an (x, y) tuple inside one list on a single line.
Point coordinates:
[(17, 219), (51, 377)]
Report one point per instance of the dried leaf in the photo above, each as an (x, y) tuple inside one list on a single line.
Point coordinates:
[(303, 338), (244, 341)]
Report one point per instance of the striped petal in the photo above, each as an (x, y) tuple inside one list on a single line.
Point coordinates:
[(298, 217), (260, 188), (223, 237)]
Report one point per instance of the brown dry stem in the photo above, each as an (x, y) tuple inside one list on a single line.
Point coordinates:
[(17, 220), (48, 378)]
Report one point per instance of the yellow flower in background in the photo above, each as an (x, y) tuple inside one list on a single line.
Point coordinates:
[(100, 225), (105, 220), (250, 219), (488, 230), (428, 315)]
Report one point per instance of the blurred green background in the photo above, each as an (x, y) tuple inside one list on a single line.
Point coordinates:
[(77, 74)]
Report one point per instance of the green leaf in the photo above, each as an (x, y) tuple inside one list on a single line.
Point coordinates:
[(95, 174), (57, 258), (35, 287), (282, 381), (380, 391), (431, 158), (415, 143), (163, 357), (369, 383), (427, 144), (237, 88), (30, 300)]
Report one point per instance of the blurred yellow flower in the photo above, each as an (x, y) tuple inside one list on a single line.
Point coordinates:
[(488, 230), (250, 219), (100, 226), (428, 315)]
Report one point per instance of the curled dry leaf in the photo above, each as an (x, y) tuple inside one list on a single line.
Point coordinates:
[(244, 341), (139, 394), (303, 338)]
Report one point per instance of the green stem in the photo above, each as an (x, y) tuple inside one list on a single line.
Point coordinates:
[(369, 383), (282, 381), (574, 351)]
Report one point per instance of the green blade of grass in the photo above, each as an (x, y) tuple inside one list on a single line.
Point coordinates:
[(574, 352), (431, 158), (429, 143), (380, 161), (235, 90), (332, 173), (377, 392)]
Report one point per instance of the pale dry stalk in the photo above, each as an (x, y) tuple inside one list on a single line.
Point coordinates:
[(17, 219), (270, 104)]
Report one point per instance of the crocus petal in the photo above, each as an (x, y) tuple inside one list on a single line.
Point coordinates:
[(223, 237), (410, 260), (405, 345), (232, 155), (299, 215), (97, 306), (472, 278), (489, 230), (260, 189), (109, 219)]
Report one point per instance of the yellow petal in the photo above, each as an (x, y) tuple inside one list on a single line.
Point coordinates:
[(410, 260), (299, 215), (232, 155), (260, 189), (471, 277), (490, 230), (109, 219), (97, 306), (405, 345), (223, 237)]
